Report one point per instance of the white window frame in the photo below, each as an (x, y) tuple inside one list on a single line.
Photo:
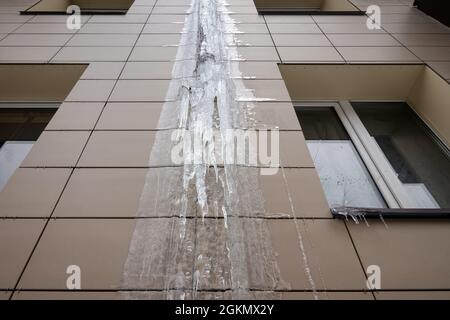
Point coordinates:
[(384, 176)]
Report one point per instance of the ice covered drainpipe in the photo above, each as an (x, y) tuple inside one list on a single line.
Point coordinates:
[(205, 231)]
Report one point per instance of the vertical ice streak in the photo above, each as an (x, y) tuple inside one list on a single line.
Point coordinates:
[(203, 228)]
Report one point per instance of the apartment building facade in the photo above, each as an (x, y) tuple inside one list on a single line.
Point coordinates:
[(94, 207)]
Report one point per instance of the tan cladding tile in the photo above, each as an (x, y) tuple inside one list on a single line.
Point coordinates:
[(90, 54), (102, 70), (305, 191), (308, 54), (441, 67), (118, 149), (93, 295), (163, 28), (301, 40), (432, 53), (360, 40), (153, 54), (249, 40), (293, 150), (411, 254), (38, 82), (67, 295), (27, 54), (377, 54), (156, 40), (17, 239), (32, 192), (167, 18), (247, 18), (75, 116), (44, 28), (98, 246), (171, 10), (241, 10), (348, 28), (416, 28), (340, 19), (279, 115), (130, 116), (288, 19), (273, 90), (116, 28), (330, 295), (98, 40), (148, 70), (56, 149), (251, 28), (257, 54), (409, 39), (293, 28), (91, 90), (54, 18), (102, 193), (4, 295), (14, 17), (142, 90), (413, 295), (257, 70), (120, 19), (35, 40), (328, 251)]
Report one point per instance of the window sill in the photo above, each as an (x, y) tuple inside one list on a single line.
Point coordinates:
[(375, 213)]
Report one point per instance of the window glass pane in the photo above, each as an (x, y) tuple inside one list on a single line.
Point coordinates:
[(344, 177), (19, 128), (421, 163), (12, 153), (11, 120), (37, 120)]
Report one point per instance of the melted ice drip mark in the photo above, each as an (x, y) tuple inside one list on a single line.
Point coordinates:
[(300, 241), (355, 214), (207, 99)]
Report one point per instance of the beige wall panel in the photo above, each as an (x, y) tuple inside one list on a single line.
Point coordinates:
[(323, 5), (430, 98), (288, 3), (61, 5), (51, 5), (38, 82), (337, 5), (350, 82)]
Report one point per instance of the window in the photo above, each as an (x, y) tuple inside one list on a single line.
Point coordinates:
[(414, 153), (20, 126), (307, 7), (86, 6), (376, 155), (344, 177)]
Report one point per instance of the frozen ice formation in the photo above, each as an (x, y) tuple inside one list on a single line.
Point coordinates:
[(200, 226)]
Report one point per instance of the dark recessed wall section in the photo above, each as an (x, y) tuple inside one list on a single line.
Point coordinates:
[(438, 9), (86, 6), (307, 7), (38, 82)]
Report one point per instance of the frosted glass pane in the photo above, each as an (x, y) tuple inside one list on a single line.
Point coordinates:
[(344, 177), (12, 154), (421, 195)]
